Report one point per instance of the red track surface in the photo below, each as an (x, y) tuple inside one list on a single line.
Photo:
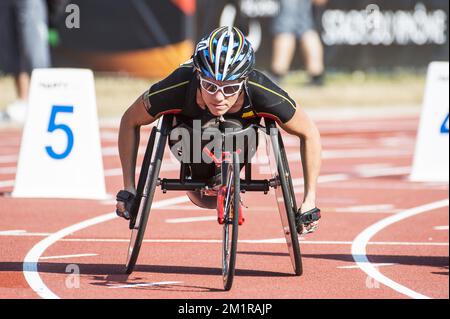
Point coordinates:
[(373, 158)]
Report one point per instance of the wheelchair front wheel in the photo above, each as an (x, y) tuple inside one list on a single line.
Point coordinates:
[(231, 204)]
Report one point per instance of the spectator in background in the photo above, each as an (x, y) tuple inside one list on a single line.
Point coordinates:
[(295, 21), (24, 47)]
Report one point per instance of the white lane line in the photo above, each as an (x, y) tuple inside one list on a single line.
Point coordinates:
[(381, 208), (166, 167), (352, 153), (109, 136), (31, 260), (8, 158), (67, 256), (364, 127), (117, 171), (10, 141), (179, 208), (108, 173), (114, 150), (386, 171), (365, 167), (165, 208), (388, 184), (330, 178), (291, 141), (171, 201), (441, 227), (323, 179), (12, 232), (8, 170), (252, 241), (362, 174), (360, 153), (106, 152), (22, 233), (151, 284), (191, 219), (359, 245), (373, 264), (6, 183)]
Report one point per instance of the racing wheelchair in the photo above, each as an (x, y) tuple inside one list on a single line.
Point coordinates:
[(227, 185)]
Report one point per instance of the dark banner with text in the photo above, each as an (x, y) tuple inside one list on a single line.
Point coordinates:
[(357, 34)]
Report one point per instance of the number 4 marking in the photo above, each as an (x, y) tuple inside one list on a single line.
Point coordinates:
[(52, 126), (444, 126)]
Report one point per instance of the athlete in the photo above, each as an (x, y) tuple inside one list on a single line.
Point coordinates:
[(220, 82)]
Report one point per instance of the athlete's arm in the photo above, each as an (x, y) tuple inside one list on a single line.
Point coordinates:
[(129, 135), (310, 149), (165, 96)]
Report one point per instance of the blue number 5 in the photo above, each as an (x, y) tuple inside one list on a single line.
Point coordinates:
[(52, 126), (444, 126)]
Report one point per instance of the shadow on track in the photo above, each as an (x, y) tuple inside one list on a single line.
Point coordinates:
[(442, 273), (431, 261), (118, 269), (109, 275), (119, 280)]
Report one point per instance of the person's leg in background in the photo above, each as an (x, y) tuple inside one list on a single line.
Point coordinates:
[(33, 50), (295, 21), (9, 63), (22, 83), (284, 28), (312, 51), (283, 53)]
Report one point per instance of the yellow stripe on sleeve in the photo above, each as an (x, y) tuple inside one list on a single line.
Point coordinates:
[(273, 92), (168, 88)]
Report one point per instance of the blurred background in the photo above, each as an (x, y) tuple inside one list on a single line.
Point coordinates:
[(325, 53)]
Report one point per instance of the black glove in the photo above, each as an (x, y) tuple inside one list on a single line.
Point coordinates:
[(127, 198), (306, 218)]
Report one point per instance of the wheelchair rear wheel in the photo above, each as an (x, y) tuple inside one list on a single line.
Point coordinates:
[(284, 192)]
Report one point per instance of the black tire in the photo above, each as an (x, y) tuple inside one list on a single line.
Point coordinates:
[(229, 246), (147, 184), (143, 177), (290, 198), (287, 192)]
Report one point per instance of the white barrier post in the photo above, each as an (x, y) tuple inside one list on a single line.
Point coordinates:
[(431, 157), (60, 153)]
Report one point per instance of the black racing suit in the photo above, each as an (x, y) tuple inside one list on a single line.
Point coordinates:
[(177, 94)]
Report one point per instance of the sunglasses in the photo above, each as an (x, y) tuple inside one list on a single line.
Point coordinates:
[(227, 90)]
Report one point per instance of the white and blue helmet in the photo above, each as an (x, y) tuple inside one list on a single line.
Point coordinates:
[(225, 55)]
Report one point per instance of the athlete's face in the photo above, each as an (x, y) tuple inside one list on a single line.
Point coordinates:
[(220, 96)]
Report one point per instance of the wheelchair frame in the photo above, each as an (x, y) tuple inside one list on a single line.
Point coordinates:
[(149, 179)]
